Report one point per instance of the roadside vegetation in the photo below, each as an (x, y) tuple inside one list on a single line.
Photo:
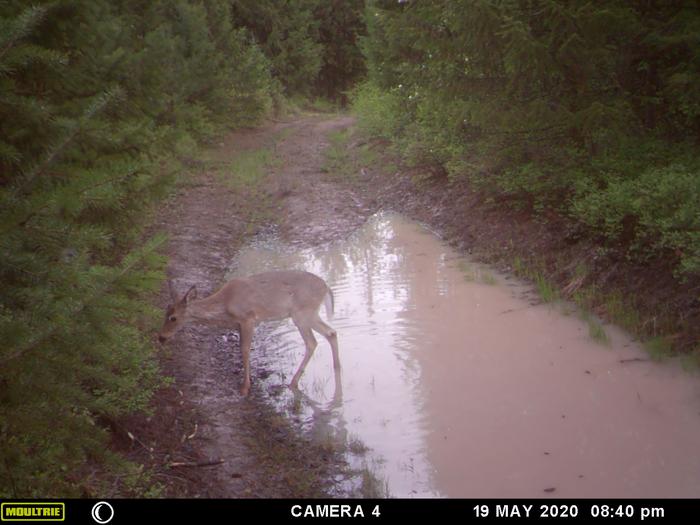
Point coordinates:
[(584, 110)]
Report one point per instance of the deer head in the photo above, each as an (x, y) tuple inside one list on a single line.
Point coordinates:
[(176, 312)]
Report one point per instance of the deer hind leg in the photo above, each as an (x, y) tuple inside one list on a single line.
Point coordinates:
[(310, 343), (330, 334)]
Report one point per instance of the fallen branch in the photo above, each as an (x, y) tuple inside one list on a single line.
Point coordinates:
[(209, 463), (633, 360)]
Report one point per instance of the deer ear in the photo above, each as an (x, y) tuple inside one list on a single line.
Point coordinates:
[(171, 289), (191, 294)]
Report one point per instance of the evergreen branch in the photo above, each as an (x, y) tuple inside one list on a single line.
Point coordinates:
[(29, 53), (102, 101), (83, 191), (23, 26), (93, 109), (155, 243)]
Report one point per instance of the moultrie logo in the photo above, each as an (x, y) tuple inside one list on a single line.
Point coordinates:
[(34, 511)]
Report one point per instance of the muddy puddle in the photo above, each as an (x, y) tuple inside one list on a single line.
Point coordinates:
[(456, 383)]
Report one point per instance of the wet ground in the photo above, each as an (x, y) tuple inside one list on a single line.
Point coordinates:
[(456, 381)]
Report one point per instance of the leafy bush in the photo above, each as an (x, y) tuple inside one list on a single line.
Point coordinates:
[(378, 111), (654, 213)]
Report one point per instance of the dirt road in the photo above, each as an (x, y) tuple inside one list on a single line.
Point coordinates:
[(202, 418)]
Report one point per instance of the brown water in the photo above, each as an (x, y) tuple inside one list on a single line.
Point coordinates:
[(455, 385)]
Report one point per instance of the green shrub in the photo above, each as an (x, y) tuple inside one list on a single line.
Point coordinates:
[(379, 114), (654, 213)]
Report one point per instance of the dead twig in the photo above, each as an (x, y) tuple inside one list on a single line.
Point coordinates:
[(134, 439), (209, 463), (186, 437)]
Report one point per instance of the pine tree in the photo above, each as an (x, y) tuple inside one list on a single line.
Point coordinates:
[(288, 34), (94, 97), (340, 24)]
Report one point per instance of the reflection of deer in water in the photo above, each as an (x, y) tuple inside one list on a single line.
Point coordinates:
[(262, 297)]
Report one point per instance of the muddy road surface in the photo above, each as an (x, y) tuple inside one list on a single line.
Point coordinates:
[(457, 379), (253, 452)]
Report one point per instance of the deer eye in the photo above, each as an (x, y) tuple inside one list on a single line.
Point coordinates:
[(172, 318)]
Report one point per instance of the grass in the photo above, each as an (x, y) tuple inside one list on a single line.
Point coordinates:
[(245, 173), (547, 290), (276, 447), (340, 161), (595, 327), (620, 312), (336, 158), (585, 298), (617, 308), (282, 135), (366, 156), (356, 445), (519, 266), (597, 332), (472, 273), (247, 169), (372, 486), (659, 348)]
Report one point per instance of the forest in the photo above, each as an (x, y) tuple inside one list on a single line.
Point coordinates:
[(587, 113)]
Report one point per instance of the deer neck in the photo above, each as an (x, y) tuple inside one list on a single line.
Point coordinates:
[(205, 310)]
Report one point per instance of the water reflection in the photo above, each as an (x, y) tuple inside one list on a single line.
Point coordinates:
[(381, 395), (455, 385)]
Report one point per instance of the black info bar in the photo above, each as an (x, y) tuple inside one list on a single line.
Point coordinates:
[(123, 511)]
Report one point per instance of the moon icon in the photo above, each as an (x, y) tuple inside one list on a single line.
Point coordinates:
[(107, 515)]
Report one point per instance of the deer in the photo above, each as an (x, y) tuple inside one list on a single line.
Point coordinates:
[(243, 303)]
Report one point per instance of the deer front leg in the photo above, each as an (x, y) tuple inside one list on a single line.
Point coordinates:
[(246, 330)]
